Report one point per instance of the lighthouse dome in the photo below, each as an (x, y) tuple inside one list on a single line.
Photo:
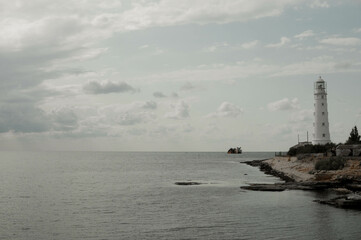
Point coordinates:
[(320, 80)]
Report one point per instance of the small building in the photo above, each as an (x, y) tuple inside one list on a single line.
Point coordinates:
[(302, 144), (348, 150)]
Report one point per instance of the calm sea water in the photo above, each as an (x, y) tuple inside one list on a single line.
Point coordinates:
[(112, 195)]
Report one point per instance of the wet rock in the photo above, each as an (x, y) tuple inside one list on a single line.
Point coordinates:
[(352, 201), (265, 187), (278, 187), (353, 187), (187, 183), (267, 169)]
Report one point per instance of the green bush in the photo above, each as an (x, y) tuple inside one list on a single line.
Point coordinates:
[(310, 148), (333, 163)]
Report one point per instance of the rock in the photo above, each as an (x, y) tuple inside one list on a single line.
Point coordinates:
[(267, 169), (254, 163), (352, 201), (278, 187), (265, 187), (187, 183), (341, 190), (354, 187)]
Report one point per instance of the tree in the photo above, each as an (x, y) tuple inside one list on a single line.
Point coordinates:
[(354, 137)]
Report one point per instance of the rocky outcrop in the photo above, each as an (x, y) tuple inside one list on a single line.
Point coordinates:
[(347, 180), (351, 201), (278, 187), (267, 169)]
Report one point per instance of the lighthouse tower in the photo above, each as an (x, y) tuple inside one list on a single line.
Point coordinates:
[(321, 126)]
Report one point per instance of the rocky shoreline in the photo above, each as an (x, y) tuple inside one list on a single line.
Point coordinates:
[(298, 174)]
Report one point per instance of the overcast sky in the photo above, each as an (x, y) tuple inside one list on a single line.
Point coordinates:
[(175, 75)]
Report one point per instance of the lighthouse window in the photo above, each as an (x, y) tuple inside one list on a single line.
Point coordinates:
[(323, 113), (323, 124), (323, 135), (323, 104)]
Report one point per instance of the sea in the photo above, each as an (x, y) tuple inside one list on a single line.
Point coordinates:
[(133, 195)]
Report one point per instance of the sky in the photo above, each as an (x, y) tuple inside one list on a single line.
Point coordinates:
[(175, 75)]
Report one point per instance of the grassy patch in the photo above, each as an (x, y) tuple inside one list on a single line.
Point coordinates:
[(333, 163)]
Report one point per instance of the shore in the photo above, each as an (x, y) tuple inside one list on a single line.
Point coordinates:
[(299, 174)]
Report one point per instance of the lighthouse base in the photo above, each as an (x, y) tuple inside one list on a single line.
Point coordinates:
[(320, 142)]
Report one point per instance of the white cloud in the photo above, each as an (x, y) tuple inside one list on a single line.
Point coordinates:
[(324, 64), (227, 109), (249, 45), (338, 41), (303, 115), (305, 34), (319, 4), (125, 115), (180, 110), (168, 12), (216, 47), (243, 70), (283, 104), (283, 42)]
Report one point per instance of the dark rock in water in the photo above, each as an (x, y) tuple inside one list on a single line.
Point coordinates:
[(187, 183), (279, 187), (354, 187), (348, 201), (254, 163), (265, 187)]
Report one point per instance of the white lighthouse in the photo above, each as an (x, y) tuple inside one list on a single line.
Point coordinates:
[(321, 126)]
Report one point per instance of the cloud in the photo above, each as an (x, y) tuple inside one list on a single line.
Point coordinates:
[(337, 41), (150, 105), (284, 41), (170, 13), (303, 115), (324, 64), (305, 34), (228, 110), (187, 86), (94, 87), (283, 105), (180, 110), (174, 95), (64, 119), (23, 118), (159, 95), (144, 46), (128, 114), (319, 4), (216, 47), (246, 69), (249, 45)]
